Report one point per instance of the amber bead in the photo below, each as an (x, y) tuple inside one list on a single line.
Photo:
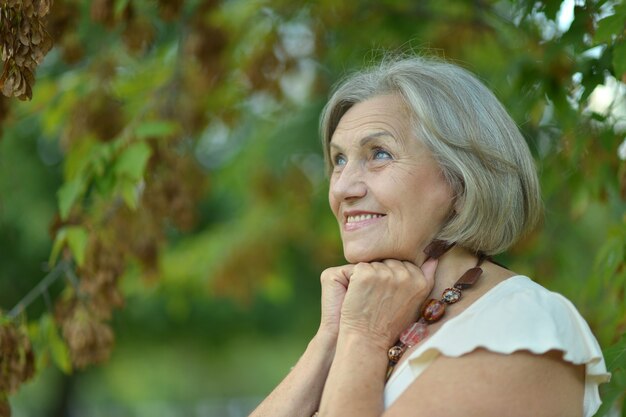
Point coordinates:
[(433, 310), (469, 278), (415, 333), (451, 295), (395, 353)]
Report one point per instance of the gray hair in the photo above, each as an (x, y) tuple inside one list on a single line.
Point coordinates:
[(479, 148)]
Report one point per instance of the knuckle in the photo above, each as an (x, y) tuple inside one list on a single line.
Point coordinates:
[(410, 266), (393, 263), (362, 268), (421, 285), (328, 273), (325, 274)]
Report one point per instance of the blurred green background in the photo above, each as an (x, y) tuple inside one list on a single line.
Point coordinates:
[(169, 167)]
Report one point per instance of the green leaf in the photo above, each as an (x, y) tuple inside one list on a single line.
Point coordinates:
[(551, 8), (78, 157), (57, 246), (155, 129), (68, 194), (619, 59), (599, 117), (58, 349), (609, 257), (612, 394), (607, 27), (615, 358), (131, 164), (129, 192), (77, 237), (120, 5), (105, 184), (615, 355)]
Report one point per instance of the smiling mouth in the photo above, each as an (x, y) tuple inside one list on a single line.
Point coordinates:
[(362, 217)]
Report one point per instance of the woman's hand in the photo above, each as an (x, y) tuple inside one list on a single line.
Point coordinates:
[(334, 286), (383, 298)]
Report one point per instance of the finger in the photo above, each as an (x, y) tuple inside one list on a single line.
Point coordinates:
[(428, 269), (395, 264), (347, 271), (340, 274), (364, 268), (383, 269)]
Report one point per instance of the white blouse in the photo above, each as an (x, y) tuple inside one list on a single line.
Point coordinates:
[(517, 314)]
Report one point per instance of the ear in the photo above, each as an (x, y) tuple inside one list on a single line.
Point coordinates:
[(459, 202)]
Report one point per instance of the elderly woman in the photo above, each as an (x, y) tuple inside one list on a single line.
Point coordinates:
[(429, 177)]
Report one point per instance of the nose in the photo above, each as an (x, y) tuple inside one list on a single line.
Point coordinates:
[(349, 184)]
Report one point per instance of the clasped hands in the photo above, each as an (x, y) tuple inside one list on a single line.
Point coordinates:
[(374, 300)]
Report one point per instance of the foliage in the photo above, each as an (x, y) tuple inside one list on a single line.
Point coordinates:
[(25, 42), (182, 147)]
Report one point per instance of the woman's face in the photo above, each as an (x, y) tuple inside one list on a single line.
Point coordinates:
[(386, 190)]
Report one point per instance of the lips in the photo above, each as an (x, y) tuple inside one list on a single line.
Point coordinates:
[(361, 217), (357, 219)]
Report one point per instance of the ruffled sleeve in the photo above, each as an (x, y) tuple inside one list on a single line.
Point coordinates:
[(517, 314)]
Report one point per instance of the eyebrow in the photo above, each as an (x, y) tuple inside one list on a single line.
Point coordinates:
[(369, 138)]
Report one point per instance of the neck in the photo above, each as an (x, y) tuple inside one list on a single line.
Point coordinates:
[(451, 266)]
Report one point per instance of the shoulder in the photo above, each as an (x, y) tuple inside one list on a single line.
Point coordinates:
[(484, 383), (519, 314), (518, 342)]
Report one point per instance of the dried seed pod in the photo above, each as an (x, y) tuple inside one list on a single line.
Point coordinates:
[(17, 361), (89, 340), (25, 42), (43, 8)]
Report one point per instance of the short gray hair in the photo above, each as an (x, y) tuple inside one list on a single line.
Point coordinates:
[(479, 148)]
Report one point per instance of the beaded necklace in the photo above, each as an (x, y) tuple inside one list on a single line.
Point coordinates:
[(433, 309)]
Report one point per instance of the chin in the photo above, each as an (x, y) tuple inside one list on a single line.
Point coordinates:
[(353, 259), (354, 255)]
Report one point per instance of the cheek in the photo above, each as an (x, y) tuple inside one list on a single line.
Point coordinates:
[(442, 206), (333, 203), (429, 199)]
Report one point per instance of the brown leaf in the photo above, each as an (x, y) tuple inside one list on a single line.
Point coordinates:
[(28, 93), (22, 55), (24, 32), (20, 84), (4, 75), (28, 76), (10, 83), (36, 37), (46, 43), (43, 7), (16, 359), (7, 52), (89, 340), (27, 9)]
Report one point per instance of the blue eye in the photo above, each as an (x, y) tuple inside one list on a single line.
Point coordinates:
[(339, 159), (381, 154)]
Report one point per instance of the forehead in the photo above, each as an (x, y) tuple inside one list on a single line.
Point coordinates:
[(387, 113)]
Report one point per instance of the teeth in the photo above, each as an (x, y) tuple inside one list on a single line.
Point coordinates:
[(361, 217)]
